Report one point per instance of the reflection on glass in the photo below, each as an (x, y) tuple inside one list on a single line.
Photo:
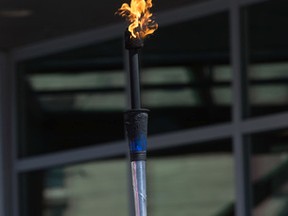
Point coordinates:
[(162, 98), (181, 75), (98, 188), (84, 80), (269, 172), (267, 69), (268, 80), (222, 95), (71, 99), (165, 75), (222, 73), (192, 180), (168, 87), (269, 95), (83, 102)]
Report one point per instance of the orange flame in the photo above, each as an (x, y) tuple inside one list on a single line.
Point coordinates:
[(139, 17)]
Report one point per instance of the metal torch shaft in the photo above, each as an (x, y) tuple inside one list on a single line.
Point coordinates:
[(139, 187)]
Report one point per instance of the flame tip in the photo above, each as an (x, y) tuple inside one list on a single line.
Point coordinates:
[(139, 18)]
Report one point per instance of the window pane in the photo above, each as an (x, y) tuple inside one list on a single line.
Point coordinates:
[(269, 172), (268, 68), (192, 180), (76, 190), (182, 73), (72, 99)]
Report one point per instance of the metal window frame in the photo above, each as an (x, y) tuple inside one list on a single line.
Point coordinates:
[(240, 145), (236, 129), (7, 137), (3, 159)]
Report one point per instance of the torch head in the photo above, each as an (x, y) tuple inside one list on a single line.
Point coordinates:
[(132, 42), (141, 22)]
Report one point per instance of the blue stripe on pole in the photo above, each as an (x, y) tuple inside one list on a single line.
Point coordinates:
[(138, 144)]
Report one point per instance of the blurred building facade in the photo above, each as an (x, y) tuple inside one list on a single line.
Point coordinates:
[(214, 77)]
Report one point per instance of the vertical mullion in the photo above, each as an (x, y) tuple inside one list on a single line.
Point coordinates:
[(7, 135), (12, 80), (3, 191), (240, 144)]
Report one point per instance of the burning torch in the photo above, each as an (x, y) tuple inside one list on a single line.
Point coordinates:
[(140, 25)]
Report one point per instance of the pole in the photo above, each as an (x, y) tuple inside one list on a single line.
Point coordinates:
[(136, 123), (134, 79)]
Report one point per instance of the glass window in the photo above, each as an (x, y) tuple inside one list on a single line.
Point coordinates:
[(196, 179), (181, 74), (71, 99), (268, 68), (269, 172), (82, 189)]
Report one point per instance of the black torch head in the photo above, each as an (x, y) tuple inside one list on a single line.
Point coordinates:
[(131, 42)]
